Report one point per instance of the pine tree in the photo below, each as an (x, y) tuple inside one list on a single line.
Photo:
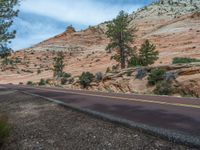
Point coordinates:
[(120, 37), (147, 53), (7, 13), (59, 65)]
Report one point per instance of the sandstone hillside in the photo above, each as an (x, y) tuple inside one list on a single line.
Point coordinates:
[(173, 26)]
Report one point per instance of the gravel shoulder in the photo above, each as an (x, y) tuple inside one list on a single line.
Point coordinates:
[(41, 125)]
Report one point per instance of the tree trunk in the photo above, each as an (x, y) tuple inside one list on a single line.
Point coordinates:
[(122, 58)]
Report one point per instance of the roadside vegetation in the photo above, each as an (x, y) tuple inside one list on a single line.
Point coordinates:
[(59, 65), (162, 82), (86, 78), (155, 76), (42, 82), (4, 129), (184, 60), (30, 83), (163, 88)]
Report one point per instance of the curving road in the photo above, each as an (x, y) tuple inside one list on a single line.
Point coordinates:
[(171, 117)]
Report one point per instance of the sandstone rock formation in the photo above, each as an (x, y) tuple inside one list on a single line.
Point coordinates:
[(172, 25)]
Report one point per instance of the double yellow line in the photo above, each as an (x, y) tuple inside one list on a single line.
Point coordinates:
[(127, 99)]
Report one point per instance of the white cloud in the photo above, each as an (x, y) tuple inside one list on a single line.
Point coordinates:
[(86, 12), (79, 13), (29, 33)]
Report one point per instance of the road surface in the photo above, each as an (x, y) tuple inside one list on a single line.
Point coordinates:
[(178, 118)]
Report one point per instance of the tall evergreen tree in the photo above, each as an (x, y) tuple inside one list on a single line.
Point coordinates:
[(147, 53), (7, 13), (120, 37), (59, 65)]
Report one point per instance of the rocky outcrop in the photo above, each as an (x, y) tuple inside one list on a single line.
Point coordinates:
[(185, 80), (70, 29), (190, 88)]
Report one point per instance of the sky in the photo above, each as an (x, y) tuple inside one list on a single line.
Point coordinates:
[(39, 20)]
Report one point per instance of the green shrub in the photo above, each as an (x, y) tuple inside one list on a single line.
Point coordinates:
[(65, 77), (7, 61), (163, 88), (86, 78), (63, 81), (156, 76), (30, 83), (4, 129), (134, 62), (38, 71), (17, 60), (180, 60), (148, 54), (70, 80), (42, 82)]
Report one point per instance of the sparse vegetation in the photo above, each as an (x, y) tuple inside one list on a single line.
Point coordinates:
[(42, 82), (63, 81), (134, 61), (38, 71), (156, 75), (4, 129), (86, 78), (27, 71), (163, 88), (48, 81), (147, 53), (184, 60), (65, 77), (21, 83), (7, 61), (17, 60), (59, 65), (30, 83)]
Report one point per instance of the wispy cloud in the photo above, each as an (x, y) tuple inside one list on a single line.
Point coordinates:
[(42, 19), (87, 12)]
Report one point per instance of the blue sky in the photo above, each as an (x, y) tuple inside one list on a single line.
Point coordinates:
[(42, 19)]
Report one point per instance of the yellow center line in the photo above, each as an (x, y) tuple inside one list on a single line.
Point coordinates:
[(128, 99)]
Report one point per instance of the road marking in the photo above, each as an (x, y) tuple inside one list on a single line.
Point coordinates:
[(123, 98)]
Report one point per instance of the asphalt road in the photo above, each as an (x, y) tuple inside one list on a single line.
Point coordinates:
[(178, 118)]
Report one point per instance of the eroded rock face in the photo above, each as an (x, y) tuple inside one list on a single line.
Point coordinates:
[(186, 84), (190, 87)]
